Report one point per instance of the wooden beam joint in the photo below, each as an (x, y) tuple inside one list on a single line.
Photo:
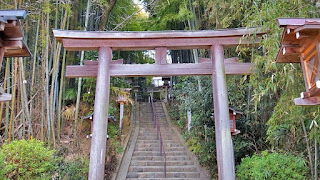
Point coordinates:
[(161, 55)]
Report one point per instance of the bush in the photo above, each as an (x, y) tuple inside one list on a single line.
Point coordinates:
[(26, 159), (75, 169), (271, 166)]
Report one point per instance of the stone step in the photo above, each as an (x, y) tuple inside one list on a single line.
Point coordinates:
[(154, 133), (167, 149), (161, 175), (189, 168), (161, 163), (160, 158), (152, 123), (157, 141), (154, 145), (150, 153), (154, 130), (155, 138)]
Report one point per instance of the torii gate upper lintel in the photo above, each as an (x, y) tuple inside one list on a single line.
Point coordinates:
[(217, 66)]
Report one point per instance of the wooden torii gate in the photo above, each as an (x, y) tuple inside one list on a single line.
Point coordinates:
[(105, 67)]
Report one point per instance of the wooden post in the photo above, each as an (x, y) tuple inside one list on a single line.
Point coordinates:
[(221, 115), (100, 122)]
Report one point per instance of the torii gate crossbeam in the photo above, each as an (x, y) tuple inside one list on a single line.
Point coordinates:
[(217, 66)]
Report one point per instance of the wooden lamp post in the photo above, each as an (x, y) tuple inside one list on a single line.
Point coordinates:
[(300, 43)]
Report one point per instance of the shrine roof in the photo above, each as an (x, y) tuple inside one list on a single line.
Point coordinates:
[(297, 34), (11, 33)]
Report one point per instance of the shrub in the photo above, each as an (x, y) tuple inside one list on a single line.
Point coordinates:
[(272, 166), (75, 169), (26, 159)]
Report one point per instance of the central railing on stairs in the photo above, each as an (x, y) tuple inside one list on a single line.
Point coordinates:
[(159, 136)]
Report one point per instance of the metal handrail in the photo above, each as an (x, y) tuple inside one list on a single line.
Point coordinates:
[(159, 137)]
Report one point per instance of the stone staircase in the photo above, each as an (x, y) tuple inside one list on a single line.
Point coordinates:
[(146, 161)]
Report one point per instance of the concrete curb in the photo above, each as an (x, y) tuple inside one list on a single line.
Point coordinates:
[(123, 167), (203, 172)]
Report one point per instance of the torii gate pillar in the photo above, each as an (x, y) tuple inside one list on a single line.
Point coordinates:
[(100, 119), (221, 115)]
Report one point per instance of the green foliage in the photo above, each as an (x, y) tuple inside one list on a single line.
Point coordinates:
[(3, 169), (273, 166), (26, 159), (75, 169), (113, 130), (70, 94)]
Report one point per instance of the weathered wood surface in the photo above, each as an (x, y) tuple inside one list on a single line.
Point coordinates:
[(161, 55), (66, 34), (150, 44), (146, 40), (121, 70), (100, 123), (296, 21), (225, 154)]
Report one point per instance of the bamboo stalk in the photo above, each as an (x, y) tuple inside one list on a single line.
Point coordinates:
[(55, 75), (76, 116), (34, 63), (308, 146), (47, 73), (60, 93), (315, 159), (25, 99), (13, 97), (22, 117), (7, 103), (42, 117)]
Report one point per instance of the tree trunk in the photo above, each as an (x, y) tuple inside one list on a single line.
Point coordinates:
[(106, 14)]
